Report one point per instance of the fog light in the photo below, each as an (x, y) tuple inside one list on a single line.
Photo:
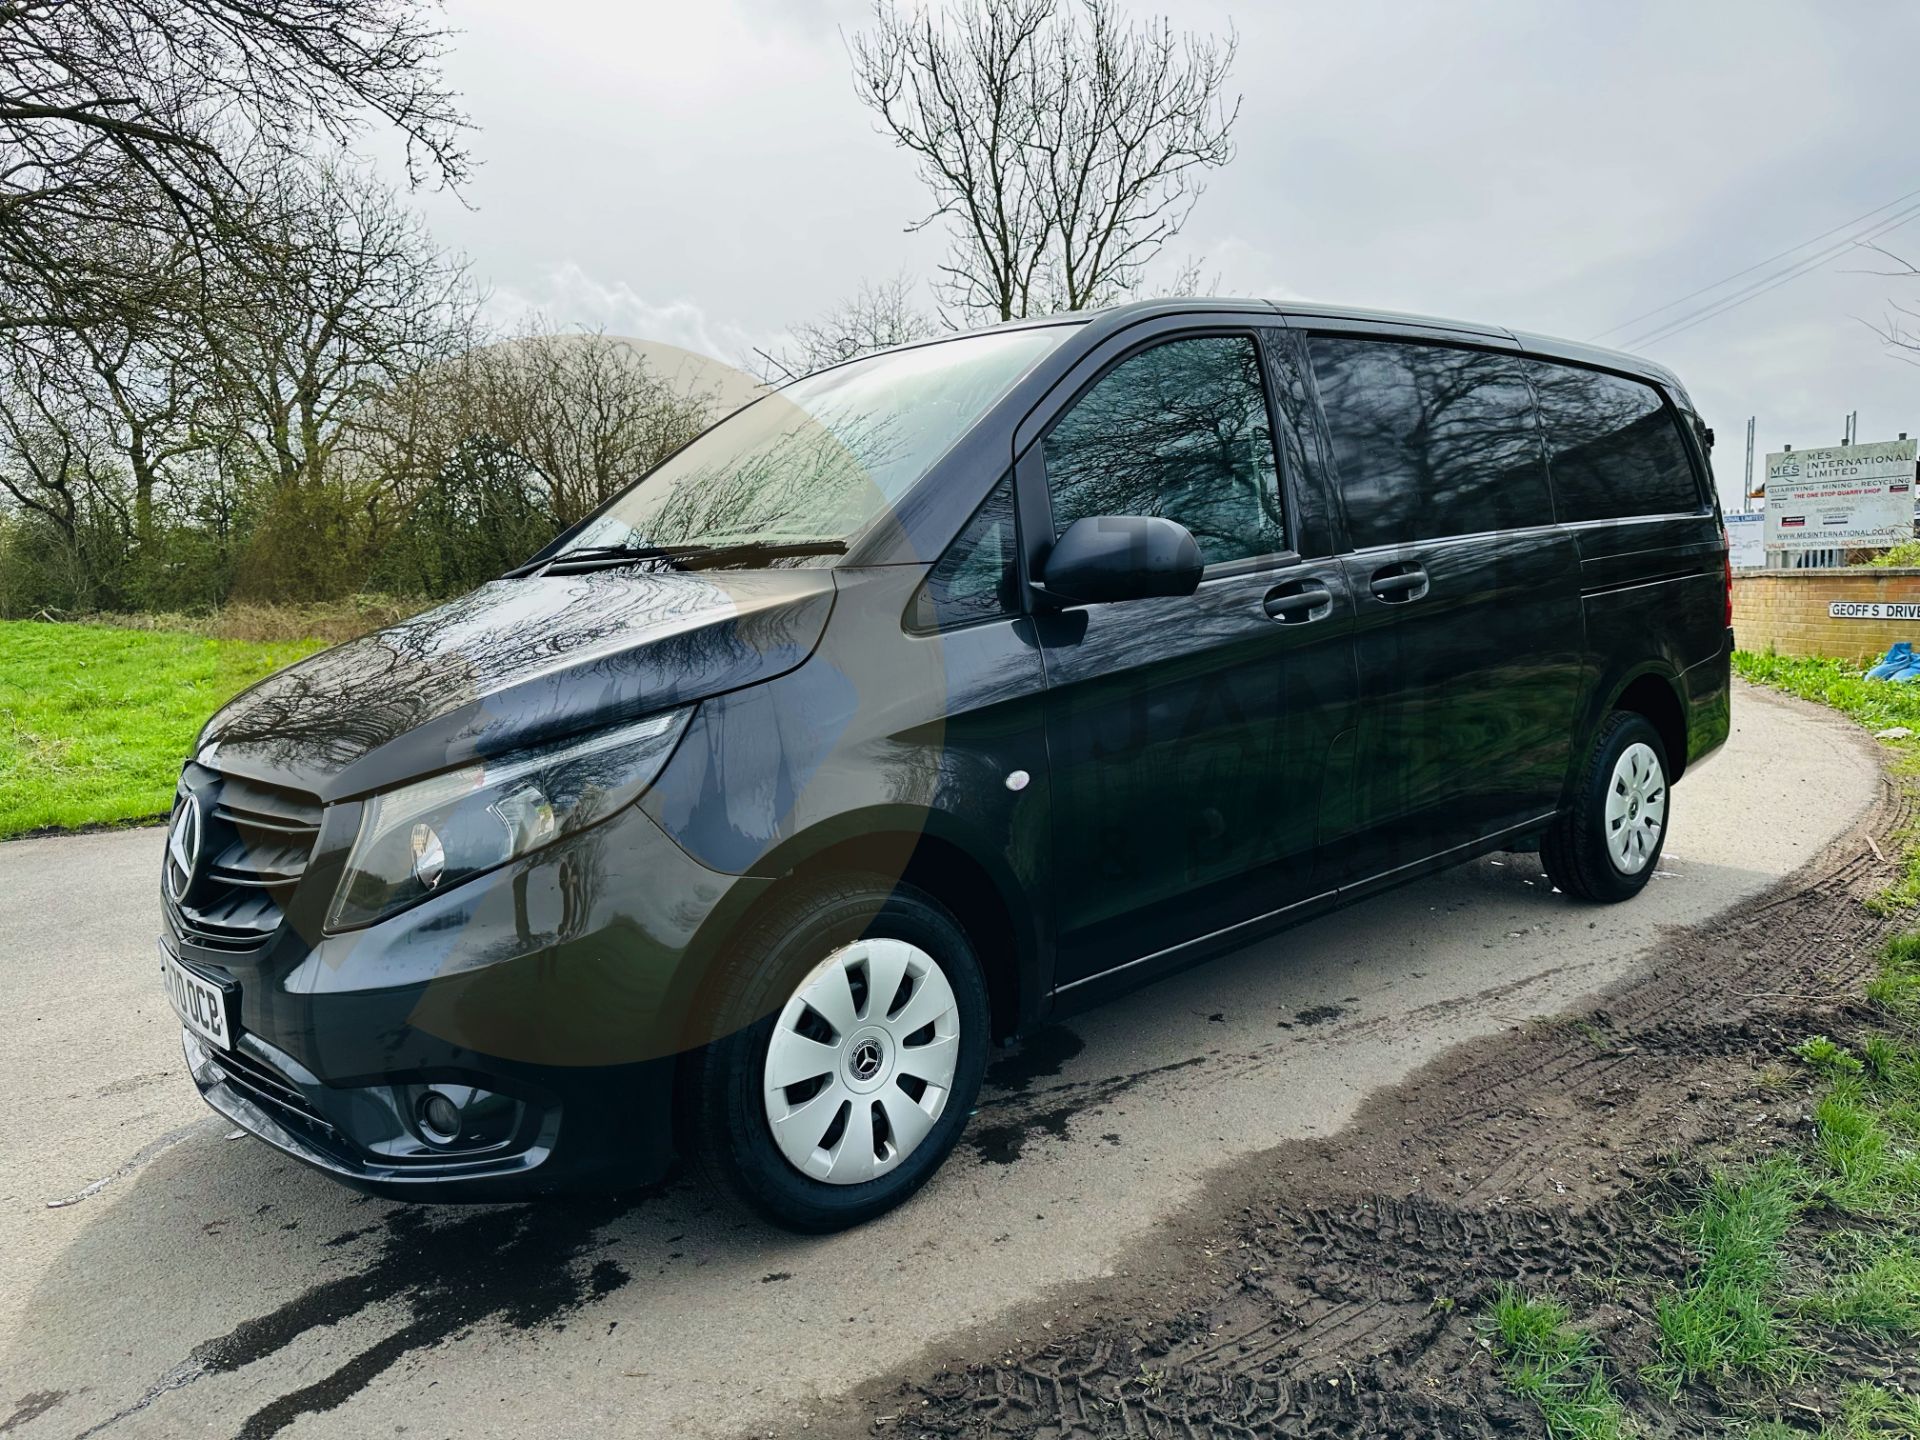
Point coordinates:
[(439, 1117)]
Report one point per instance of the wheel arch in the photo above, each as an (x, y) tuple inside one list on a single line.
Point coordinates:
[(965, 875), (1655, 694)]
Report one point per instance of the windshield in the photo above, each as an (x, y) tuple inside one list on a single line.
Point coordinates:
[(819, 459)]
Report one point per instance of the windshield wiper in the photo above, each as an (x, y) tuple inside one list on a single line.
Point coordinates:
[(599, 557), (586, 558), (749, 552)]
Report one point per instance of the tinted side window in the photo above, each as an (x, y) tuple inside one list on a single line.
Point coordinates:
[(1180, 430), (1615, 446), (1430, 440), (976, 579)]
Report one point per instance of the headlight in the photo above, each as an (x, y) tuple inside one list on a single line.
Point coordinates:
[(426, 837)]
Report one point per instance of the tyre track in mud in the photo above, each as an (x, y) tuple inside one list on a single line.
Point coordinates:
[(1331, 1286)]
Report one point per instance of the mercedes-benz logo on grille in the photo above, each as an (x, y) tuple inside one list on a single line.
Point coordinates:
[(183, 849), (865, 1060)]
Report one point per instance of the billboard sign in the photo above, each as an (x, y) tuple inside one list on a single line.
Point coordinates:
[(1746, 540), (1841, 496)]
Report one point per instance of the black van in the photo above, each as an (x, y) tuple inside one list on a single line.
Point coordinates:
[(922, 700)]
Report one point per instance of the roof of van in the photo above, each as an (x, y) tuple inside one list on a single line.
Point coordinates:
[(1545, 346)]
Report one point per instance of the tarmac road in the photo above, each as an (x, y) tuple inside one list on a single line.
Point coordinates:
[(193, 1283)]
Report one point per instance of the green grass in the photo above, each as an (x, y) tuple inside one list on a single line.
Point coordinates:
[(1544, 1358), (1865, 1155), (1877, 704), (1874, 1411), (1871, 1161), (1867, 1412), (94, 721), (1725, 1321), (1880, 1292), (1829, 1059), (1762, 1288), (1737, 1310), (1896, 989), (1865, 1158)]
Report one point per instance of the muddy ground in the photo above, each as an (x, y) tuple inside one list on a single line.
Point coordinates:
[(1337, 1287)]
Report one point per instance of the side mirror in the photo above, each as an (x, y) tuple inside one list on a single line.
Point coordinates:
[(1121, 557)]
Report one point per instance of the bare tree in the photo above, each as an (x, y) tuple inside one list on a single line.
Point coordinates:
[(586, 411), (329, 294), (1897, 330), (1063, 145), (336, 295), (1134, 115), (1190, 279), (49, 456), (961, 96), (880, 315), (143, 372), (60, 467), (152, 154), (557, 422), (116, 117)]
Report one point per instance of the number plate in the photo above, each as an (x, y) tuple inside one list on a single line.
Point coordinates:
[(204, 1007)]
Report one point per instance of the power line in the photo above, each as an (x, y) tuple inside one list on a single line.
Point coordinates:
[(1760, 287), (1758, 264)]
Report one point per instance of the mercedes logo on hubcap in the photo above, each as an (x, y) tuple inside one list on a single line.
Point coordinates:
[(183, 849), (864, 1062)]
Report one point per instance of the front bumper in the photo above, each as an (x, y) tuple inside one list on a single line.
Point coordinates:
[(271, 1096), (551, 999)]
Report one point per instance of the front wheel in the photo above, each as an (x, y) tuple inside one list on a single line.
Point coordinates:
[(1607, 844), (854, 1046)]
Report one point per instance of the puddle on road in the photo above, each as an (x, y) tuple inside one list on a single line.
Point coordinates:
[(536, 1266), (31, 1406), (1042, 1054), (522, 1267), (1318, 1015), (1000, 1141)]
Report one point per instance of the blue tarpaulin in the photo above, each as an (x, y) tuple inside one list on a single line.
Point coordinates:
[(1899, 664)]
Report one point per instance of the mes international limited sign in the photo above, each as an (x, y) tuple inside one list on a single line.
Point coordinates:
[(1840, 496)]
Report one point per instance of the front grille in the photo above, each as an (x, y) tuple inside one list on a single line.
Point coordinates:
[(255, 842), (254, 1079)]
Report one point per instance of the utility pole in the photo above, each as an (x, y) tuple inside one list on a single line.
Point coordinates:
[(1746, 490)]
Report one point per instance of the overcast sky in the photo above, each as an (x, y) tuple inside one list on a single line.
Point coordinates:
[(701, 173)]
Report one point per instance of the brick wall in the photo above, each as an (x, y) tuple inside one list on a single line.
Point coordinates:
[(1786, 611)]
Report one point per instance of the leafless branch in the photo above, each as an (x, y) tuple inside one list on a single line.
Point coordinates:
[(880, 316), (1063, 146)]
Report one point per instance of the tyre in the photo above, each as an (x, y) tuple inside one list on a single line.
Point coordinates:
[(854, 1035), (1607, 844)]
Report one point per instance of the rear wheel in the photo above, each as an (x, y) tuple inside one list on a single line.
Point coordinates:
[(1607, 844), (855, 1027)]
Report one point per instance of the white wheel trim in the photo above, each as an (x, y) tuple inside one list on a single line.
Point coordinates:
[(863, 1064), (1636, 808)]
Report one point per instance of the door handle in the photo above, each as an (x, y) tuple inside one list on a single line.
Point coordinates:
[(1298, 601), (1397, 584)]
